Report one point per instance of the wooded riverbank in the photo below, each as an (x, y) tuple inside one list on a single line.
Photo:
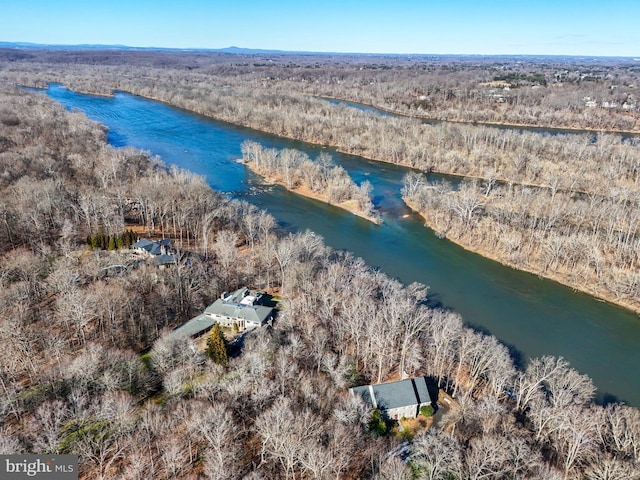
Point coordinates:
[(500, 124), (563, 277), (571, 165), (621, 287)]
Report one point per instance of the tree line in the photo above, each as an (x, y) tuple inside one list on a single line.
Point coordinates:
[(599, 166), (112, 242), (602, 166)]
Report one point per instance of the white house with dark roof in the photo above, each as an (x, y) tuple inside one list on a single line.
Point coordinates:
[(401, 399), (240, 308)]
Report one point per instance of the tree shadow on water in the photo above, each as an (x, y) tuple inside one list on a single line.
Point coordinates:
[(516, 355), (434, 301), (605, 399)]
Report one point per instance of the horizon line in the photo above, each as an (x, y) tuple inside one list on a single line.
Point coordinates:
[(248, 50)]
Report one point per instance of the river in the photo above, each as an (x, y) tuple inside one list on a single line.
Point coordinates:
[(545, 131), (532, 316)]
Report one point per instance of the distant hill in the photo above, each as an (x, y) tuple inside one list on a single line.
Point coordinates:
[(258, 51), (45, 46), (237, 50), (252, 51)]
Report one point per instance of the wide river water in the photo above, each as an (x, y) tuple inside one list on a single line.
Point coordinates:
[(531, 315)]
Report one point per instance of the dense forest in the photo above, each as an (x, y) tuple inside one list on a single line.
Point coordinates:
[(91, 367)]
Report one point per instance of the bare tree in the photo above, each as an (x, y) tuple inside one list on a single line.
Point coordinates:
[(575, 438), (77, 308), (393, 468), (226, 252), (540, 370), (467, 202), (215, 426), (285, 253), (283, 439), (445, 329), (9, 444), (49, 420), (620, 430), (437, 456), (611, 469), (413, 182)]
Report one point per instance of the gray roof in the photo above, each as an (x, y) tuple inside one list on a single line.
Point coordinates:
[(196, 325), (364, 393), (252, 313), (165, 259), (154, 248), (142, 243), (412, 391), (229, 307), (237, 296)]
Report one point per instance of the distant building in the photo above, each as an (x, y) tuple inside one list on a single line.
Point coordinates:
[(241, 309), (158, 247), (397, 399)]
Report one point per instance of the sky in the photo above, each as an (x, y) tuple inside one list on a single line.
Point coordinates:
[(484, 27)]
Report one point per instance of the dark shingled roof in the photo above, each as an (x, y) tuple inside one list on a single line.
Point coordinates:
[(412, 391), (154, 248), (364, 393), (165, 259)]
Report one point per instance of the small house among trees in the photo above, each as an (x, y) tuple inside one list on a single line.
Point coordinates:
[(401, 399)]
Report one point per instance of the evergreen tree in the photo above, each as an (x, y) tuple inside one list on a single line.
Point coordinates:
[(129, 238), (133, 237), (102, 239), (94, 240), (217, 346)]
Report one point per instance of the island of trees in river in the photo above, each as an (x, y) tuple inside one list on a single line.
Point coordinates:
[(89, 368), (320, 179)]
